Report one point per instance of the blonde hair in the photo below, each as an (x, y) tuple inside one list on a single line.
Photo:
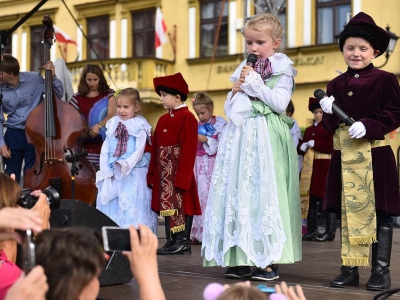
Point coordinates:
[(203, 99), (133, 96), (268, 23), (240, 292)]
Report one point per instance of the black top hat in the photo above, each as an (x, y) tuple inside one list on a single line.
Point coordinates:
[(362, 25)]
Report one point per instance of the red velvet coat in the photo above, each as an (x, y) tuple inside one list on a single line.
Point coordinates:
[(371, 96), (323, 143), (177, 127)]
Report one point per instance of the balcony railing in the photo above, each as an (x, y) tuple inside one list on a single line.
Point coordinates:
[(126, 72)]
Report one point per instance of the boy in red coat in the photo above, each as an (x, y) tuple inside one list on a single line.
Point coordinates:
[(171, 175), (314, 173)]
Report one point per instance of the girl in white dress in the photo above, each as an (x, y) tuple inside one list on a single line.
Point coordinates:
[(123, 194), (252, 217), (210, 128)]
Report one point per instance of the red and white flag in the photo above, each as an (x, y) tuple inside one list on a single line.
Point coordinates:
[(62, 37), (161, 29)]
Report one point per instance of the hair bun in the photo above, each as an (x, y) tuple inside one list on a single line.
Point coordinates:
[(212, 291)]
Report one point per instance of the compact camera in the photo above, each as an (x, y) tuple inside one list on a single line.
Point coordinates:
[(28, 201)]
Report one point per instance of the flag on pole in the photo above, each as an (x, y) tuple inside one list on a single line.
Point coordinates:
[(62, 37), (161, 29)]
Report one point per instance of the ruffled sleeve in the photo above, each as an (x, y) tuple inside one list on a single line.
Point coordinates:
[(277, 98), (238, 107), (211, 146), (141, 130)]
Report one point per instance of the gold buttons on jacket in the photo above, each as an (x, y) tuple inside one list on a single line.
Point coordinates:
[(165, 130), (356, 76), (350, 93), (172, 115)]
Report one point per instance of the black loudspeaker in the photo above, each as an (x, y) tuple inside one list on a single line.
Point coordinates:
[(78, 213)]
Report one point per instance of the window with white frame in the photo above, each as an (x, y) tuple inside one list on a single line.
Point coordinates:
[(209, 19), (143, 33), (332, 16), (98, 35), (37, 48)]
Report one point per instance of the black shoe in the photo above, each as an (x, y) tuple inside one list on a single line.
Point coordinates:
[(177, 248), (238, 272), (330, 231), (168, 244), (348, 276), (310, 237), (170, 241), (380, 280), (327, 236), (181, 240), (262, 274), (380, 276)]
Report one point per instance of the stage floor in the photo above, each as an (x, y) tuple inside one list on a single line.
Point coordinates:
[(183, 277)]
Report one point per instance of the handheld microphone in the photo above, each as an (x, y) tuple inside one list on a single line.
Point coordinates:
[(251, 60), (319, 94), (71, 158)]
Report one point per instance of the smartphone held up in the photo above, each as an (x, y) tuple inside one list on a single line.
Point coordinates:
[(116, 239)]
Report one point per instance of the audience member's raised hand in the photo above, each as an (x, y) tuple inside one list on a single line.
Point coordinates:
[(290, 293), (43, 208), (18, 218), (143, 260), (32, 286)]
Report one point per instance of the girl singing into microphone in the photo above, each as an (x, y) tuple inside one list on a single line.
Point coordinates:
[(252, 217)]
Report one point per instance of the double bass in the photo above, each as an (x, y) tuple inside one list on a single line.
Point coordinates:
[(55, 128)]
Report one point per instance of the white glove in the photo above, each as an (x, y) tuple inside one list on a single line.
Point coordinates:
[(304, 147), (326, 104), (357, 130), (311, 144)]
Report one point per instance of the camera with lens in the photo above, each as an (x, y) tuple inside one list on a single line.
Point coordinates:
[(28, 201)]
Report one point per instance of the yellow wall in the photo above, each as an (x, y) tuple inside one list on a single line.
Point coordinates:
[(316, 65)]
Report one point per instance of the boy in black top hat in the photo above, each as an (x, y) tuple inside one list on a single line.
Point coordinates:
[(362, 180)]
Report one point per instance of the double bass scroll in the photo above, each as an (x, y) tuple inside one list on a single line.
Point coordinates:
[(53, 127)]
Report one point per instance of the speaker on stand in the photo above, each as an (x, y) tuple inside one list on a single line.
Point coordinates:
[(78, 213)]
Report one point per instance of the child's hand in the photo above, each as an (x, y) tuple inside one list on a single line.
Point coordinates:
[(236, 86), (245, 71), (290, 292), (304, 147), (202, 138)]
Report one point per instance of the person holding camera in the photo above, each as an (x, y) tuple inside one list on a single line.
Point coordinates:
[(14, 284), (36, 219)]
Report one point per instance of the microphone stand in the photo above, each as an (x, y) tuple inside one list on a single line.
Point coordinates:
[(72, 158)]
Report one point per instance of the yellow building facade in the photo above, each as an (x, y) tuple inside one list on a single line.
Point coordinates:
[(316, 63)]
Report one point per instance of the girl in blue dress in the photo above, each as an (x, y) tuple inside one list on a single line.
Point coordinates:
[(123, 194)]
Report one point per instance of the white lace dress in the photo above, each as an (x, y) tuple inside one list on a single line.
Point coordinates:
[(123, 194), (253, 210), (203, 169)]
